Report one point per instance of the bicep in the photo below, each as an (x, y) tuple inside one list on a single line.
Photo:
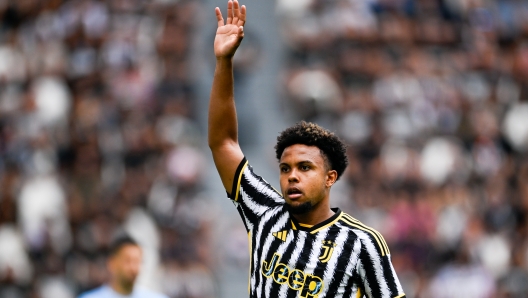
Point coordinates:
[(227, 158)]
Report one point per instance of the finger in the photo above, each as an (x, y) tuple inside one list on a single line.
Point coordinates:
[(241, 32), (240, 35), (236, 12), (219, 17), (229, 11), (242, 16)]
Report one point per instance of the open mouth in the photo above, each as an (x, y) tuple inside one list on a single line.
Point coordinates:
[(294, 193)]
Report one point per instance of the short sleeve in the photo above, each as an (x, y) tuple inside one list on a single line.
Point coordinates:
[(377, 277), (252, 195)]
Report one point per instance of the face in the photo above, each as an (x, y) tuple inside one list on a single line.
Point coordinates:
[(304, 178), (124, 266)]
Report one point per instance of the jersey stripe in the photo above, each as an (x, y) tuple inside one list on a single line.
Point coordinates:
[(395, 287), (238, 176), (369, 257), (349, 281), (250, 242), (326, 267), (344, 255), (370, 232), (313, 260), (382, 240), (252, 209), (302, 242), (261, 204), (258, 248), (269, 248), (272, 288), (314, 248), (262, 186), (327, 225), (370, 229), (245, 220)]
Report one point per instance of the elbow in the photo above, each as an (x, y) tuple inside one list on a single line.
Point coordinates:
[(214, 143), (220, 145)]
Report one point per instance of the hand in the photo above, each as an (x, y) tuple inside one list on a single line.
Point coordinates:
[(229, 35)]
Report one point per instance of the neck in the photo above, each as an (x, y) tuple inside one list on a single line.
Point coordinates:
[(121, 288), (320, 213)]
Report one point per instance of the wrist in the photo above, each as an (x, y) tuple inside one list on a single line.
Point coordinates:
[(224, 59), (224, 62)]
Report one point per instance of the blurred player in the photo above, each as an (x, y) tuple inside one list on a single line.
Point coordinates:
[(124, 264), (300, 247)]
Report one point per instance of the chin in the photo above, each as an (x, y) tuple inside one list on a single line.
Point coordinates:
[(302, 208), (129, 282)]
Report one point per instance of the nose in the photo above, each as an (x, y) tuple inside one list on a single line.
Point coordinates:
[(293, 176), (134, 267)]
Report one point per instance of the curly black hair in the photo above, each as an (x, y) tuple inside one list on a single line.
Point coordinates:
[(332, 148)]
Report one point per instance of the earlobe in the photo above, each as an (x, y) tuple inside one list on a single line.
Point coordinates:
[(331, 178)]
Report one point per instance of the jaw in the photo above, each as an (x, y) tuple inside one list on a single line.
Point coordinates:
[(292, 204), (301, 208)]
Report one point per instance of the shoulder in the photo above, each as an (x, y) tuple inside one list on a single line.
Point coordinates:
[(369, 237), (253, 183), (97, 292), (146, 293)]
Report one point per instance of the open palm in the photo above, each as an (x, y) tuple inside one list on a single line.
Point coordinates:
[(229, 35)]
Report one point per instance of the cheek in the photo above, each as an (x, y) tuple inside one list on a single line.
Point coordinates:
[(283, 182), (317, 183)]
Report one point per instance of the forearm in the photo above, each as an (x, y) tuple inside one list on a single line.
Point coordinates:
[(222, 131), (222, 112)]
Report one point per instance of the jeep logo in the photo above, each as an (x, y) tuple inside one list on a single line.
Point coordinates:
[(309, 285)]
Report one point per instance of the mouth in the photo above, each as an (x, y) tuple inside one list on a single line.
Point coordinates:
[(293, 193)]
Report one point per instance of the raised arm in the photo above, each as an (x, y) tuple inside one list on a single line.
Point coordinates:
[(223, 131)]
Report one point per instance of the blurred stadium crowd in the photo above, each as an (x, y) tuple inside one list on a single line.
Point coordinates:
[(99, 133), (432, 96)]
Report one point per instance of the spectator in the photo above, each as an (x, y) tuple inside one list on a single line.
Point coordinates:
[(124, 264)]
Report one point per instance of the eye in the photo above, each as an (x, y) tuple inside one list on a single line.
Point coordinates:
[(284, 169), (305, 167)]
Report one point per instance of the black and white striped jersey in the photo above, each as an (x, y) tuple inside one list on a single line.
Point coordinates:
[(339, 257)]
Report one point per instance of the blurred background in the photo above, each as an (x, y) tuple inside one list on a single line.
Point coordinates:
[(103, 109)]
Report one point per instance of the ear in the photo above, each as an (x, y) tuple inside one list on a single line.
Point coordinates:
[(331, 178)]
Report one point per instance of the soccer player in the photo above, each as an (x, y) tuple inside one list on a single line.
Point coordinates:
[(300, 247), (124, 264)]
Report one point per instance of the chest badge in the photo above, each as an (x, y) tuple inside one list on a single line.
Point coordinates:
[(328, 249)]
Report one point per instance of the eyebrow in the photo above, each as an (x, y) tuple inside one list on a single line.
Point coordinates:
[(300, 162)]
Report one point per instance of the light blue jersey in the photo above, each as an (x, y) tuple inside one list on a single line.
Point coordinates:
[(107, 292)]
